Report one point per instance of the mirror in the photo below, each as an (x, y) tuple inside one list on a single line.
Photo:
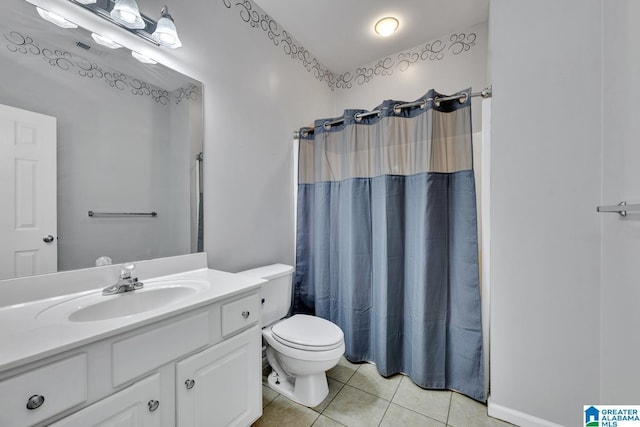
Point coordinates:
[(128, 141)]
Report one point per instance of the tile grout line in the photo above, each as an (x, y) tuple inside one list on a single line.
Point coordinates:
[(333, 398), (449, 409), (385, 412)]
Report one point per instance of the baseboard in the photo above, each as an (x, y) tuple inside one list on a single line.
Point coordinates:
[(518, 418)]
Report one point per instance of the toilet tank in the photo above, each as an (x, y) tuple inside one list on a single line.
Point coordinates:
[(276, 292)]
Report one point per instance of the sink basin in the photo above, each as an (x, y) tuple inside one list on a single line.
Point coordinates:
[(95, 306)]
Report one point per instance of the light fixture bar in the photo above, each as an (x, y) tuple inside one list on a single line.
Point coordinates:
[(102, 8)]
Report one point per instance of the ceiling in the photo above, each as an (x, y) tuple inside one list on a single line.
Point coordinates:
[(339, 33)]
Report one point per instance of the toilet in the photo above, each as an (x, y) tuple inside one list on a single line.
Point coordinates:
[(301, 348)]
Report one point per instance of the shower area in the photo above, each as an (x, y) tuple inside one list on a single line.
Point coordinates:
[(389, 236)]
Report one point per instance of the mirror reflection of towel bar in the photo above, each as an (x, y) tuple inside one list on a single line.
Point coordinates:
[(117, 214), (622, 208)]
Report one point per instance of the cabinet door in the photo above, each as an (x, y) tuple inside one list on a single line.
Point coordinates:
[(135, 406), (221, 386)]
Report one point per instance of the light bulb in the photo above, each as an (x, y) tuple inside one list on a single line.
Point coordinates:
[(165, 32), (104, 41), (54, 18), (386, 26), (127, 13)]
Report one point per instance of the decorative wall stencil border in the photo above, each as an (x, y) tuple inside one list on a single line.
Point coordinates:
[(435, 50), (190, 91), (258, 19), (25, 45)]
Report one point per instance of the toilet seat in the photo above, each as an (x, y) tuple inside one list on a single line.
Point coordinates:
[(308, 333)]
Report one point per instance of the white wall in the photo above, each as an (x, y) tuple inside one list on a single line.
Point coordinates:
[(545, 233), (255, 97), (621, 181), (448, 75)]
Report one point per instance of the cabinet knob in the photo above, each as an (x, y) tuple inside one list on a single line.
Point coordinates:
[(35, 401), (189, 384), (153, 405), (245, 314)]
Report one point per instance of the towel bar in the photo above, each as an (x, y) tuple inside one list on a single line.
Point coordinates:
[(116, 214), (622, 208)]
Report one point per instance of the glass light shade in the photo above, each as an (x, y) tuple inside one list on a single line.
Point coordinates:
[(104, 41), (54, 18), (127, 13), (166, 33), (386, 26), (143, 58)]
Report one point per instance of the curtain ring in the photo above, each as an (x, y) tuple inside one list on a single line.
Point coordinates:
[(397, 109), (436, 101), (357, 117), (464, 98), (424, 104), (326, 125), (305, 133)]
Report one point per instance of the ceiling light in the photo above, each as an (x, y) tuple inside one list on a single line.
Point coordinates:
[(55, 18), (104, 41), (165, 32), (127, 13), (143, 58), (386, 26), (86, 1)]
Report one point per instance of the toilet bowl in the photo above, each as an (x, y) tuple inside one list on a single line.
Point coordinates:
[(300, 349)]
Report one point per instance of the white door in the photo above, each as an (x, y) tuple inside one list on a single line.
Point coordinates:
[(28, 220), (620, 292)]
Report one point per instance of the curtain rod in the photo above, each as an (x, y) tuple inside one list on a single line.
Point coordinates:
[(484, 93)]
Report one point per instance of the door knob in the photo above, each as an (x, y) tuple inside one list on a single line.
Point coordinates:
[(47, 239)]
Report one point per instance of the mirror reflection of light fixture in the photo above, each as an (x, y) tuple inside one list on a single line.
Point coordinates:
[(54, 18), (127, 13), (165, 32), (143, 58), (104, 41)]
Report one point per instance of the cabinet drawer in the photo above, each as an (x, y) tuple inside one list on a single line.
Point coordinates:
[(137, 405), (62, 384), (240, 314), (139, 354)]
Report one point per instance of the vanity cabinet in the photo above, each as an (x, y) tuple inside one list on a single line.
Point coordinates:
[(137, 405), (199, 368), (37, 394), (215, 387)]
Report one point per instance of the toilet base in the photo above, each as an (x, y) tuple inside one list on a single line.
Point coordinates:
[(308, 390)]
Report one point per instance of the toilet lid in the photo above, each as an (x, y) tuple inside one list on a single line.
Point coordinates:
[(308, 333)]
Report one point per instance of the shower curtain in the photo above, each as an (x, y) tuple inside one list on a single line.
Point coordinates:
[(386, 243)]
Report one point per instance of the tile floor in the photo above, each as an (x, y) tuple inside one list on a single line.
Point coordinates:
[(359, 396)]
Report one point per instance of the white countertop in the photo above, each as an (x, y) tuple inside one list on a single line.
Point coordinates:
[(25, 337)]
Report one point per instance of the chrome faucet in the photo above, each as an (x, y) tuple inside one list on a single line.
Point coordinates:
[(126, 283)]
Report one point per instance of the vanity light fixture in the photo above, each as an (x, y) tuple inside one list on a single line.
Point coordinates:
[(143, 58), (54, 18), (165, 32), (387, 26), (127, 13), (104, 41)]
